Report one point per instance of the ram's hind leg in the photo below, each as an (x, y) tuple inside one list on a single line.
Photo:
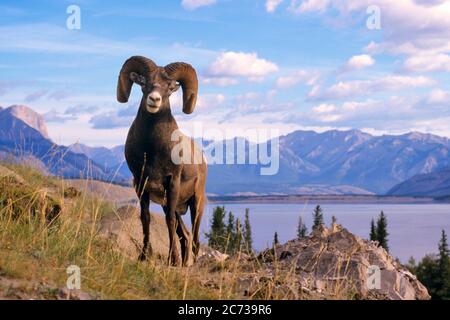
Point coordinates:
[(197, 207), (185, 240), (145, 220)]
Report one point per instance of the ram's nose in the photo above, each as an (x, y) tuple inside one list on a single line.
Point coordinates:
[(155, 99)]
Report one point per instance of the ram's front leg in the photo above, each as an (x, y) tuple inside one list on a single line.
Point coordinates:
[(172, 191)]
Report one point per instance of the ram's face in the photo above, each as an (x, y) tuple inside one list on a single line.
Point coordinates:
[(157, 88)]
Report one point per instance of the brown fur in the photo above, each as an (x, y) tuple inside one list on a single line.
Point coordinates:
[(176, 187)]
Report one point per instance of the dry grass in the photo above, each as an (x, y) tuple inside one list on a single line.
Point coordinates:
[(38, 250)]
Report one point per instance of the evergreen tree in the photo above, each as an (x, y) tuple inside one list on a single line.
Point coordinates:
[(317, 217), (301, 229), (217, 236), (333, 220), (230, 233), (373, 231), (443, 290), (433, 271), (275, 239), (381, 231), (248, 241), (427, 272), (411, 265), (238, 237), (443, 252)]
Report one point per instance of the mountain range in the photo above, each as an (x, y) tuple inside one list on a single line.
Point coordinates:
[(336, 162), (24, 138)]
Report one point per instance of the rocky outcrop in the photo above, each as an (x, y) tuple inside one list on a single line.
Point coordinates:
[(329, 264), (334, 263)]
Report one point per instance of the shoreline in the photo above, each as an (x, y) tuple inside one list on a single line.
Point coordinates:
[(336, 199)]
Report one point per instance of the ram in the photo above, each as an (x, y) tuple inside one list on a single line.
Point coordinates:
[(175, 185)]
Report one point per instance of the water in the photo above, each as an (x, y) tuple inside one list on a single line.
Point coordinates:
[(414, 229)]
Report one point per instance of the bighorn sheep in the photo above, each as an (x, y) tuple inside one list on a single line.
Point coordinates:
[(149, 147)]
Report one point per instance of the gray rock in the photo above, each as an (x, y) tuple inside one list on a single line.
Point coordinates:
[(72, 294), (336, 263)]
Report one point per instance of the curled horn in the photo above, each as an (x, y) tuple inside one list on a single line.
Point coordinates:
[(185, 74), (138, 64)]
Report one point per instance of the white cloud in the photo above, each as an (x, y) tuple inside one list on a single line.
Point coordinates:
[(220, 81), (345, 89), (241, 64), (210, 100), (271, 5), (309, 6), (194, 4), (427, 63), (359, 62), (324, 108), (438, 96), (364, 106), (409, 27), (330, 117), (300, 76)]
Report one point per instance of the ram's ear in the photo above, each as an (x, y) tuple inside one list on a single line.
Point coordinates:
[(138, 79), (174, 87)]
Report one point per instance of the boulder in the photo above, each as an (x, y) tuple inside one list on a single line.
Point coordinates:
[(123, 227), (335, 263)]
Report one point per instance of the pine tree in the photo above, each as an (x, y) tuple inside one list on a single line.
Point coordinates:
[(411, 265), (381, 231), (443, 290), (434, 271), (373, 231), (238, 237), (443, 251), (230, 233), (317, 217), (301, 229), (427, 272), (275, 239), (217, 236), (248, 241), (333, 220)]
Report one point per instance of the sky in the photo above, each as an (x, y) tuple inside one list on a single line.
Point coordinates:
[(380, 66)]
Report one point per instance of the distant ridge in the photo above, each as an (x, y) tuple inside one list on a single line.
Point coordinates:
[(331, 162), (24, 141), (435, 184)]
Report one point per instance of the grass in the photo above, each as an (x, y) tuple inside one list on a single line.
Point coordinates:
[(37, 246), (39, 250)]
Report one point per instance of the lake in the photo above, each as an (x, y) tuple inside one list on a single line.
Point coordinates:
[(414, 229)]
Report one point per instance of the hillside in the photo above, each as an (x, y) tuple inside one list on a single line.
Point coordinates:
[(46, 226), (435, 184)]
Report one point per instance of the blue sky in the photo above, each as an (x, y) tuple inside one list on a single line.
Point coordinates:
[(267, 64)]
